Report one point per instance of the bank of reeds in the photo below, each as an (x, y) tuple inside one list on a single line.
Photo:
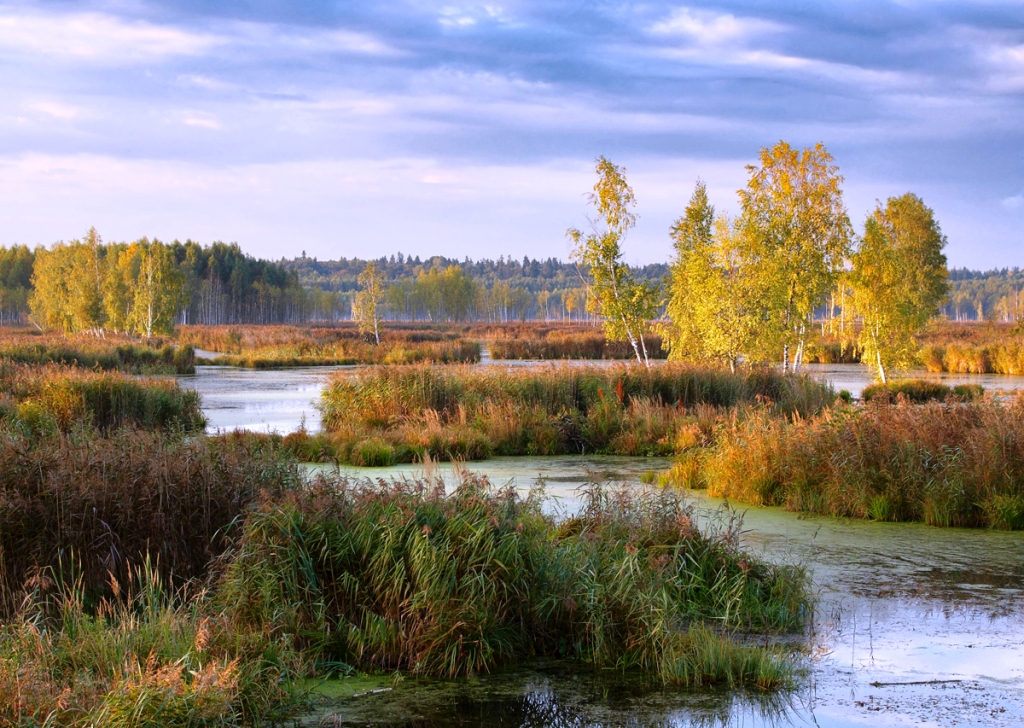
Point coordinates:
[(920, 391), (558, 344), (51, 398), (112, 352), (942, 463), (106, 502), (393, 414), (335, 575), (402, 576), (265, 347), (147, 656)]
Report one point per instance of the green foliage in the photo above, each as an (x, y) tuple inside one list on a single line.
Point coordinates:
[(899, 278), (914, 390), (626, 305), (796, 237), (715, 308)]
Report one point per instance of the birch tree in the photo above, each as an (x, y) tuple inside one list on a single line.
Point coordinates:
[(796, 236), (899, 280), (625, 305), (714, 308), (367, 303)]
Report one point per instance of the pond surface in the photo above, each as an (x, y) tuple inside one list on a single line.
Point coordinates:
[(915, 626)]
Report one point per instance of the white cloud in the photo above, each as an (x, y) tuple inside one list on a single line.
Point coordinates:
[(97, 37), (1014, 203), (200, 120), (709, 28), (56, 109)]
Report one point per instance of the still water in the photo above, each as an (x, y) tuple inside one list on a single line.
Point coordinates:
[(915, 625), (281, 400)]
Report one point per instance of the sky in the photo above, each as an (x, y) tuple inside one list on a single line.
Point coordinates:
[(362, 129)]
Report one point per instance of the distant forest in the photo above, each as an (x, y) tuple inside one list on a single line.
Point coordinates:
[(220, 284)]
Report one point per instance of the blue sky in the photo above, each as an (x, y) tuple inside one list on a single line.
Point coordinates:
[(470, 129)]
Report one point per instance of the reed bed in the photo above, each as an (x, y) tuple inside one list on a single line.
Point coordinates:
[(149, 656), (921, 390), (401, 576), (397, 414), (558, 344), (942, 463), (44, 400), (107, 502), (294, 578), (111, 352), (265, 347)]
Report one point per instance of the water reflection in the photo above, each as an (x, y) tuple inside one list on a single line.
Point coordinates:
[(561, 695)]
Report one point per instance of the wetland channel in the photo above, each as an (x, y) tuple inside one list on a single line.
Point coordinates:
[(915, 625)]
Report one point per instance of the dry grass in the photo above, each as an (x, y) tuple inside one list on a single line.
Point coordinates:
[(397, 414), (945, 464), (110, 352), (43, 400), (109, 502)]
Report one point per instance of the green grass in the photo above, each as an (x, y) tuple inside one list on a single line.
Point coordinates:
[(116, 353), (397, 414), (921, 390)]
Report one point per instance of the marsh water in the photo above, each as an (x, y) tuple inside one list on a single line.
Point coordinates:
[(282, 400), (915, 625)]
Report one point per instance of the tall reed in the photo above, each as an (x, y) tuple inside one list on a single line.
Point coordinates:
[(389, 414), (955, 464), (112, 352), (109, 502), (403, 576), (50, 398)]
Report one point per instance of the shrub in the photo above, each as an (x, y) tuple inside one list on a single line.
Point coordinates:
[(915, 390)]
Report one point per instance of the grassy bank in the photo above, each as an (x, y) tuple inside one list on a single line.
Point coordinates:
[(559, 344), (266, 347), (396, 414), (293, 579), (42, 400), (402, 576), (945, 464), (112, 352)]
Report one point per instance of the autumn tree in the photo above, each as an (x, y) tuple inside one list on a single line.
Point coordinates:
[(367, 303), (68, 282), (796, 237), (899, 280), (714, 308), (625, 305)]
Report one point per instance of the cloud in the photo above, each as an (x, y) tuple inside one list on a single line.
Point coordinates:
[(708, 28), (56, 109), (1016, 202), (97, 37)]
